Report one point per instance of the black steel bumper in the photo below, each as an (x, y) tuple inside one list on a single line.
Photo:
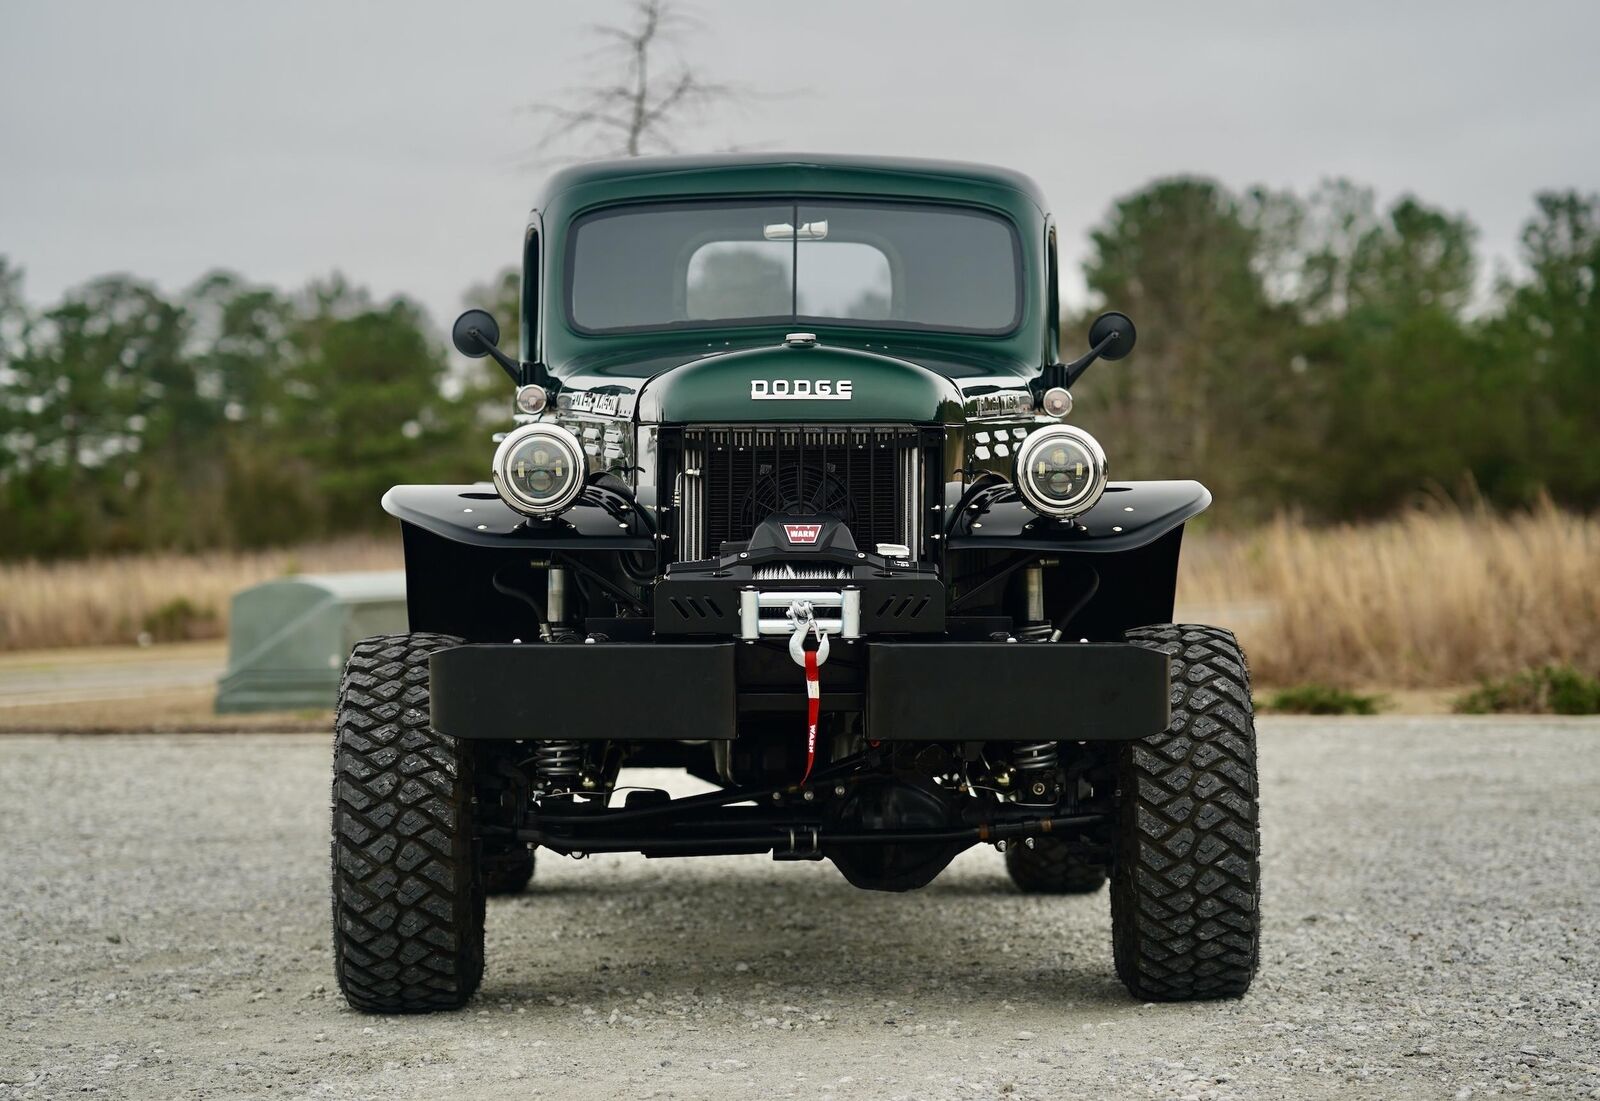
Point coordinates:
[(909, 691)]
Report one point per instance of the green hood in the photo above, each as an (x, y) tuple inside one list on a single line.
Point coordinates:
[(806, 385)]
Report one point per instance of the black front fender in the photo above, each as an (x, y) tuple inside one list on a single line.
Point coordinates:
[(459, 538), (475, 515), (1130, 515)]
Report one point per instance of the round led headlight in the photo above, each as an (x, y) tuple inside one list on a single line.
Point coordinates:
[(538, 469), (1061, 470)]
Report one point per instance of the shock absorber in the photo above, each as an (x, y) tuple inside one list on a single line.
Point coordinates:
[(559, 764), (1034, 586), (556, 596), (1035, 765)]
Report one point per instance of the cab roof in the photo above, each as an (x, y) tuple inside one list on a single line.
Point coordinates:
[(734, 173)]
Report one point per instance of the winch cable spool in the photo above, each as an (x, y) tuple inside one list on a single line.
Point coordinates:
[(805, 622)]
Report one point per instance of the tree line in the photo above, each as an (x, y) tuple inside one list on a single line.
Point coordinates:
[(1306, 352), (229, 415), (1319, 354)]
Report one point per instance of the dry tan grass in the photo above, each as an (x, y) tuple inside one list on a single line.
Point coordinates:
[(1429, 599), (101, 601)]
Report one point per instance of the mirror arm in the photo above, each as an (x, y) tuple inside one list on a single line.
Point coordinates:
[(1065, 374), (1074, 370), (507, 364)]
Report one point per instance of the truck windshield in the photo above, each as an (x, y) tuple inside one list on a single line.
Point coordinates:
[(888, 265)]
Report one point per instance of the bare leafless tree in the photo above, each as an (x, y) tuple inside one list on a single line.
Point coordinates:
[(644, 108)]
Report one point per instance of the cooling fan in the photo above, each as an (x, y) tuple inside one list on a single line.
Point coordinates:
[(796, 491)]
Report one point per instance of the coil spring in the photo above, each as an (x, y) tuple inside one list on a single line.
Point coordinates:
[(1035, 756), (558, 761)]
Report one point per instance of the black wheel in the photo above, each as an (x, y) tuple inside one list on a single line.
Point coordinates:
[(1185, 886), (507, 868), (1050, 868), (407, 895)]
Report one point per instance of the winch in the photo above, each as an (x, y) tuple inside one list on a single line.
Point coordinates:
[(747, 592)]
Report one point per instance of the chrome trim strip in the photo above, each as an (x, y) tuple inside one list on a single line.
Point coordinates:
[(692, 496), (911, 500)]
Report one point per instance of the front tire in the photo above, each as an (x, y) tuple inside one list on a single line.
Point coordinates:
[(407, 894), (1185, 888)]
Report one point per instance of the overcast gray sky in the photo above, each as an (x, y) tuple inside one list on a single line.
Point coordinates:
[(288, 139)]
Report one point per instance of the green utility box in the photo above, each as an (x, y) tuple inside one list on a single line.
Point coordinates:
[(288, 639)]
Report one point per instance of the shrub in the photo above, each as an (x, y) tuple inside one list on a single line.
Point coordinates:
[(179, 619), (1323, 699), (1548, 690)]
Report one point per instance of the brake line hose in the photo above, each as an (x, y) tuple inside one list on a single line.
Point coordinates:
[(1077, 605)]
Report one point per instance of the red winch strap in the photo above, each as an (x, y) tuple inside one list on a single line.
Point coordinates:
[(813, 706)]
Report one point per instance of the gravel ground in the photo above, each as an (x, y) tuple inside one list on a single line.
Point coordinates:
[(1431, 900)]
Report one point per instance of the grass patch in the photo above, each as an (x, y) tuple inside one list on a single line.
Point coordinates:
[(1434, 598), (1548, 690), (166, 597), (1323, 699)]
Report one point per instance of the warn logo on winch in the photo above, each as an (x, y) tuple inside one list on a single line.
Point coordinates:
[(802, 533)]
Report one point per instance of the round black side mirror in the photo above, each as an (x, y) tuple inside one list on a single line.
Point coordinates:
[(476, 332), (1119, 326)]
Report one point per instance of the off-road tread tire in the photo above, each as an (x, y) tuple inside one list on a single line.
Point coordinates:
[(407, 894), (508, 871), (1185, 886), (1051, 868)]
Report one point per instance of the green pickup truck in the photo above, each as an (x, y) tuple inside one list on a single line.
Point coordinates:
[(793, 504)]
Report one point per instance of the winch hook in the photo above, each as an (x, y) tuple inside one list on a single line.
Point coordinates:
[(805, 622)]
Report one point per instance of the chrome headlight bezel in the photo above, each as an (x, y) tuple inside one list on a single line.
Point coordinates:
[(1093, 453), (555, 436)]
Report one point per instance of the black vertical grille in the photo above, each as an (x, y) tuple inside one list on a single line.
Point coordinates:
[(734, 478)]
